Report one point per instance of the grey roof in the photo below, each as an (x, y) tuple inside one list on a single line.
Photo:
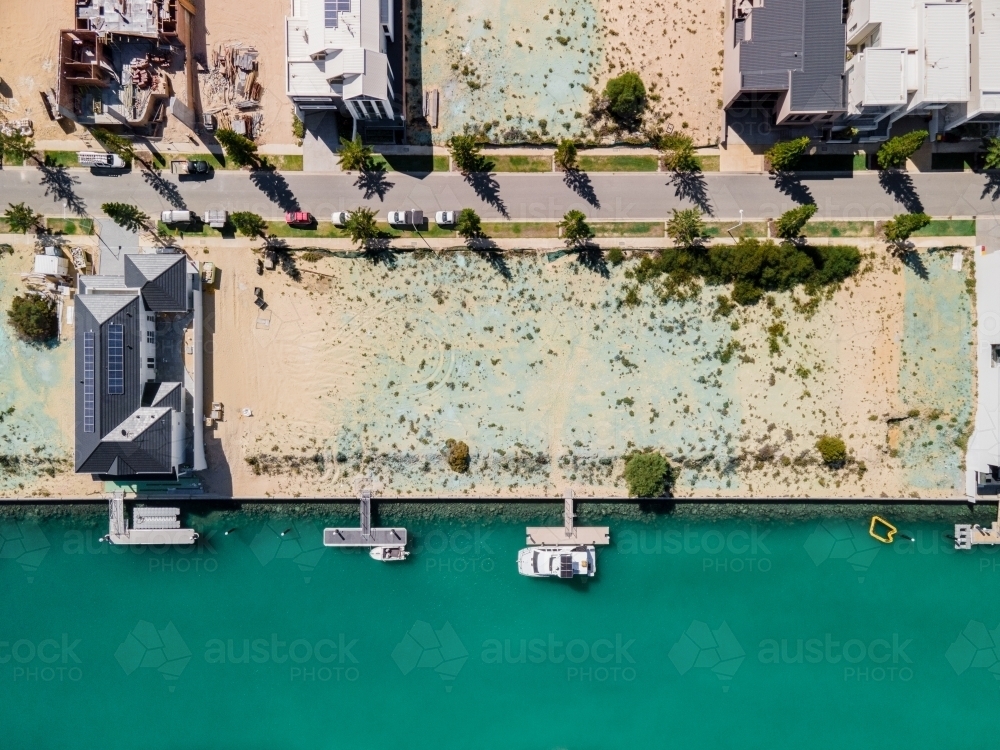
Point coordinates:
[(103, 306), (796, 44), (162, 279), (132, 430)]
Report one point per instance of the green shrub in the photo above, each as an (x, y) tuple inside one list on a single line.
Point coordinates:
[(648, 475), (458, 455), (615, 256), (992, 158), (895, 151), (784, 155), (832, 450), (790, 223), (298, 129), (565, 156), (751, 265), (33, 318), (626, 96), (678, 153)]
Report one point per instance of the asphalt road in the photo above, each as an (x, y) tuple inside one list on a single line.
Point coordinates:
[(635, 196)]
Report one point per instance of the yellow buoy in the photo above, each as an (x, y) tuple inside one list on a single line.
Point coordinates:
[(880, 524)]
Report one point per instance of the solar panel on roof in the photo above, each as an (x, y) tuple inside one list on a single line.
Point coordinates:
[(88, 381), (116, 359)]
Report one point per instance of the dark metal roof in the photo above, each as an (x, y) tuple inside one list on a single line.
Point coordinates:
[(797, 45), (148, 453), (162, 280)]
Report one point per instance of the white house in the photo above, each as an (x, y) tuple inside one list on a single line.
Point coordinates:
[(907, 58), (984, 62), (337, 58)]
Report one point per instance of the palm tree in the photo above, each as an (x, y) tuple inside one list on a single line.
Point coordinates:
[(354, 155), (576, 232), (362, 226), (465, 153), (566, 155), (685, 227)]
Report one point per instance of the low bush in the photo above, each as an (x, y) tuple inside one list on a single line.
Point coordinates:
[(458, 455), (648, 475), (832, 450), (33, 318)]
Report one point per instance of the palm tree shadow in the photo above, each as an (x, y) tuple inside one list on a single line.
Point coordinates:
[(690, 186), (579, 183), (900, 186), (591, 257), (379, 252), (912, 260), (486, 187), (166, 189), (59, 183), (373, 182), (790, 184), (275, 187), (991, 188)]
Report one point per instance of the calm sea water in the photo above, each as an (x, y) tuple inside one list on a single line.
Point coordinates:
[(721, 634)]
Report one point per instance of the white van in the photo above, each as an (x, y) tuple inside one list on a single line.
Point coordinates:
[(99, 159)]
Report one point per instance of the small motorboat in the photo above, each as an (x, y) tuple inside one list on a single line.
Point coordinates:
[(388, 554), (560, 562)]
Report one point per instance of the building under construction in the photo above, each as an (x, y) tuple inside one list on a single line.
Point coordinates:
[(114, 64)]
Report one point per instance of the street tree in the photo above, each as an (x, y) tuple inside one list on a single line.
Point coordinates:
[(678, 153), (466, 153), (992, 158), (362, 226), (20, 218), (248, 223), (789, 224), (354, 155), (784, 155), (575, 230), (114, 143), (239, 149), (899, 228), (565, 156), (126, 215), (469, 224), (16, 147), (685, 227), (895, 151)]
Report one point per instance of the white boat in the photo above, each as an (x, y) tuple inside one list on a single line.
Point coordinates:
[(388, 554), (561, 562)]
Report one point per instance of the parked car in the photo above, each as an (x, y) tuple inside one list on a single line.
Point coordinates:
[(216, 219), (298, 217), (339, 218), (208, 122), (406, 218), (189, 167), (445, 218), (100, 159), (176, 217)]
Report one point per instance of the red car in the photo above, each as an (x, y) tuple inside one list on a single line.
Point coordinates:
[(298, 217)]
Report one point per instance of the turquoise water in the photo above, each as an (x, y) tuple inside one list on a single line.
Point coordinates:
[(732, 633)]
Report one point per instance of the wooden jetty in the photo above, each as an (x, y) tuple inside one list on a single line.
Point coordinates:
[(569, 533), (365, 536)]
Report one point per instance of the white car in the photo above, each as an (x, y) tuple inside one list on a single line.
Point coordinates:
[(339, 218), (445, 218), (406, 218), (175, 217)]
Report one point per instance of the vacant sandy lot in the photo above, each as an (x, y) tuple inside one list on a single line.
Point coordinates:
[(362, 373), (676, 46), (29, 57)]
